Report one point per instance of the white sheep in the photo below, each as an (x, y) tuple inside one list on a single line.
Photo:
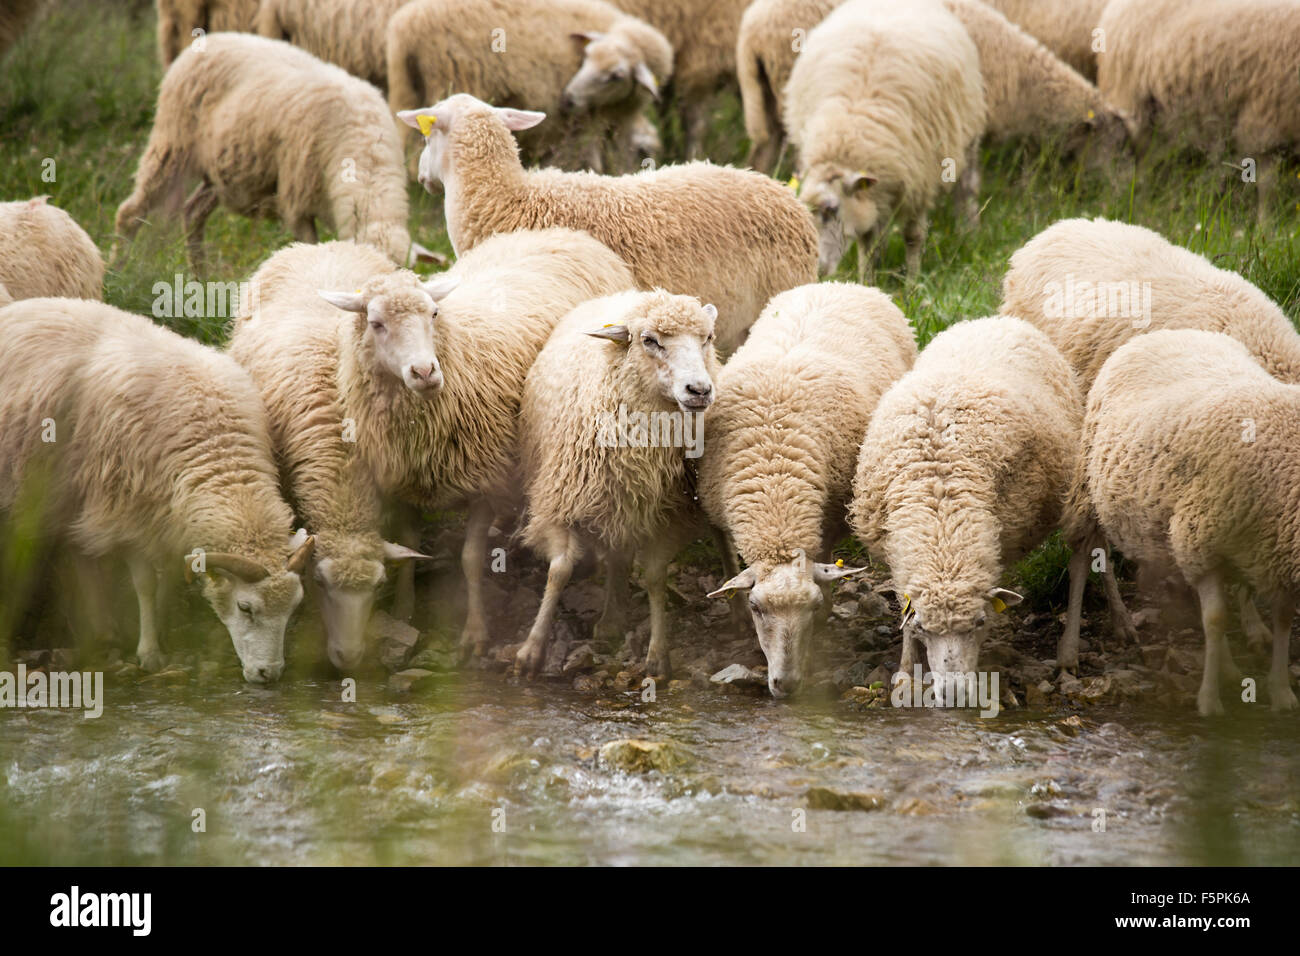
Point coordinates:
[(180, 22), (1069, 28), (884, 105), (729, 237), (1222, 75), (289, 339), (782, 445), (1190, 461), (137, 441), (611, 409), (965, 468), (268, 129), (703, 35), (352, 34), (43, 252), (1092, 285), (583, 61), (454, 440)]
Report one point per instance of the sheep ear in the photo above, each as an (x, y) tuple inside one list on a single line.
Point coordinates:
[(832, 572), (347, 301), (741, 582), (517, 120), (425, 120), (859, 180), (586, 36), (398, 552), (645, 76), (1003, 599), (439, 286), (711, 311), (615, 333), (421, 253), (301, 555)]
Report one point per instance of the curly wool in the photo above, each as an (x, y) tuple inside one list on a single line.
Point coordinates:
[(290, 343), (1064, 26), (352, 34), (1216, 72), (793, 404), (43, 252), (966, 464), (618, 497), (179, 19), (162, 443), (276, 131), (1186, 291), (461, 444), (729, 237)]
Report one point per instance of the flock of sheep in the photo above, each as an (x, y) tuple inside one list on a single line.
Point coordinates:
[(1128, 393)]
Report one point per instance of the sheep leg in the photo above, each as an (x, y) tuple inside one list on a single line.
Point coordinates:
[(1258, 634), (914, 241), (1214, 619), (870, 248), (198, 208), (1279, 681), (96, 615), (1265, 187), (304, 229), (1121, 621), (408, 534), (564, 551), (730, 568), (695, 121), (655, 564), (612, 624), (145, 578), (906, 664), (474, 639), (1067, 649), (966, 195)]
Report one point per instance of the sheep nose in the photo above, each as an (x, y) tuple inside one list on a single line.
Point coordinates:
[(425, 372), (784, 686), (700, 389), (566, 103)]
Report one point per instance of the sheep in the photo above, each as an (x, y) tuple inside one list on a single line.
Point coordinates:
[(270, 129), (181, 21), (729, 237), (583, 59), (793, 404), (352, 34), (289, 340), (454, 441), (43, 252), (1028, 91), (140, 442), (644, 358), (14, 19), (1092, 285), (1066, 27), (882, 105), (964, 468), (1221, 74), (703, 35), (1190, 461)]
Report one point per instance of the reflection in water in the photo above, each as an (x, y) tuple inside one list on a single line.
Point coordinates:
[(474, 770)]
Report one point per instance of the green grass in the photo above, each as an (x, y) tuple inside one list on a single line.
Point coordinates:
[(79, 89)]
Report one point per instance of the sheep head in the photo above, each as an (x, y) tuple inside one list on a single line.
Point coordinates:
[(438, 122), (844, 204), (395, 325), (612, 70), (952, 624)]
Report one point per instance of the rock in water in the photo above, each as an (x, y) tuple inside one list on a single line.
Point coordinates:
[(826, 798), (642, 756)]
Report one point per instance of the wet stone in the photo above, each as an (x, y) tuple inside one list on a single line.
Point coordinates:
[(642, 756), (829, 798)]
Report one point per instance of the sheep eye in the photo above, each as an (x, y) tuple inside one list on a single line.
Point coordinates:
[(246, 608), (377, 326), (615, 76), (650, 341)]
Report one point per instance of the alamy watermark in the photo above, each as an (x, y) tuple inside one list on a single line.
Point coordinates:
[(662, 429), (198, 300), (84, 690), (1083, 299), (972, 689)]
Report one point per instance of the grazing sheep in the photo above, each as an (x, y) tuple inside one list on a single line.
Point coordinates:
[(730, 237), (1066, 27), (583, 60), (591, 483), (1221, 74), (289, 339), (271, 130), (352, 34), (454, 440), (43, 252), (1190, 460), (1092, 285), (964, 469), (180, 21), (703, 35), (783, 436), (883, 106), (141, 443)]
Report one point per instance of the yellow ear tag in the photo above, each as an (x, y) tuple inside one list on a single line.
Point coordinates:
[(999, 605), (426, 123), (1091, 115), (839, 562), (907, 605)]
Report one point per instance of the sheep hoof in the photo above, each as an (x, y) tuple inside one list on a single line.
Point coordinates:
[(1208, 704), (151, 661), (1284, 700), (529, 659), (473, 643), (658, 666)]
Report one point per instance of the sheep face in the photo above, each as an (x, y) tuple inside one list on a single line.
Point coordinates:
[(952, 626), (669, 349), (437, 123), (612, 70), (1101, 138), (784, 600), (395, 323), (843, 205), (255, 605)]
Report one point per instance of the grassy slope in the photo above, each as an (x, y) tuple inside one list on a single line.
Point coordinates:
[(79, 88)]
